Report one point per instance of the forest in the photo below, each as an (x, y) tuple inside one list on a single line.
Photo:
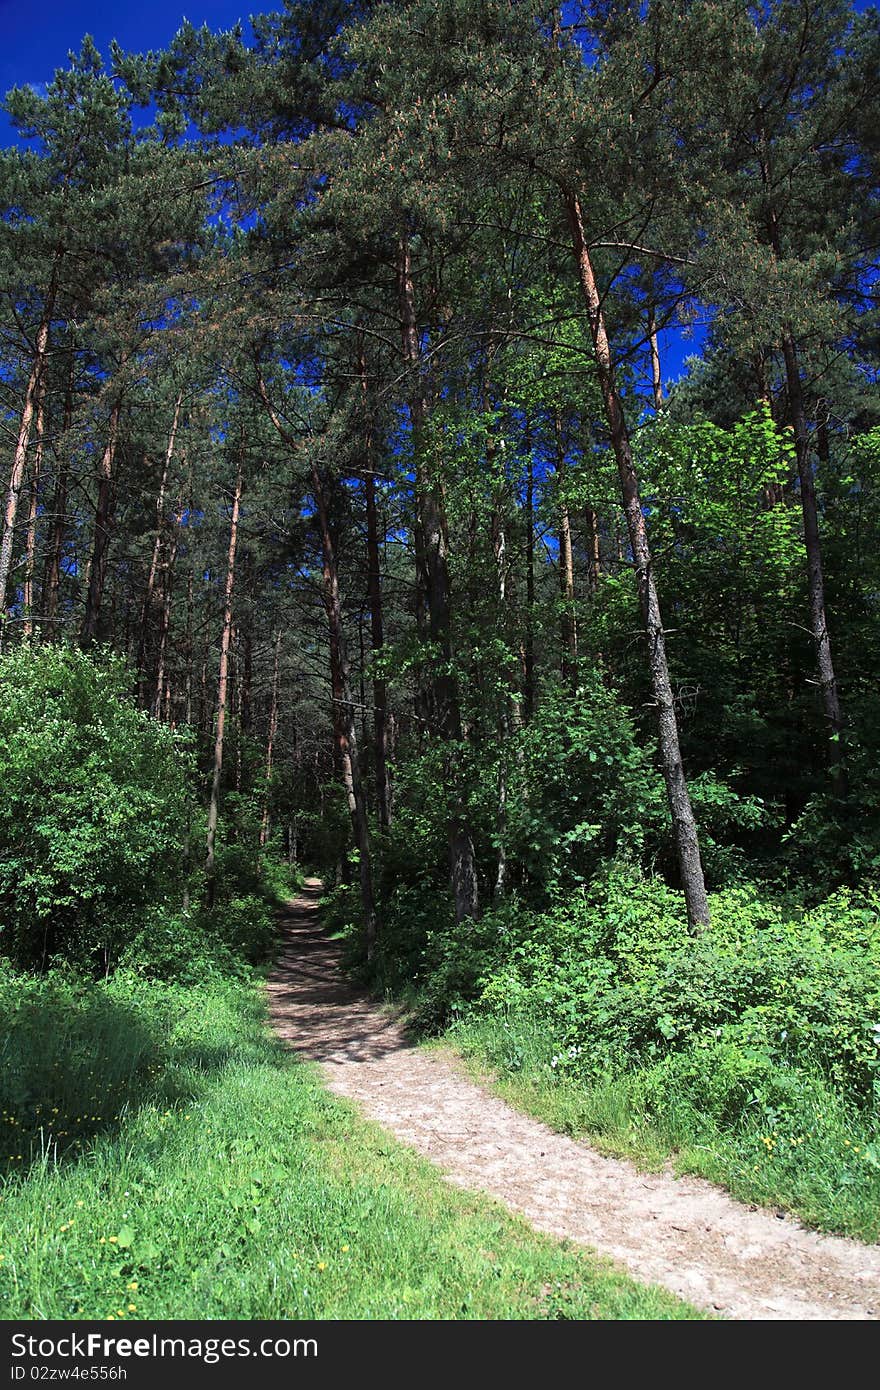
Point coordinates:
[(441, 453)]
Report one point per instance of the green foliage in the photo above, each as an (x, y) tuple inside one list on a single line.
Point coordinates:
[(94, 808), (783, 1138), (732, 580), (616, 976), (581, 790), (196, 944), (457, 959)]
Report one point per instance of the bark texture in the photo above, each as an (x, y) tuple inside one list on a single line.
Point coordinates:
[(222, 691), (683, 822)]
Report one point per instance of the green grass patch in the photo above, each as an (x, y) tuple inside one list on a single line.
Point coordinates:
[(165, 1158)]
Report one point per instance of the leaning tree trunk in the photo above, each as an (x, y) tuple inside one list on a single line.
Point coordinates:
[(222, 693), (432, 525), (683, 823), (19, 458)]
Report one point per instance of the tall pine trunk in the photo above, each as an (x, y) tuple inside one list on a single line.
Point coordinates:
[(529, 635), (592, 520), (222, 692), (158, 538), (344, 729), (566, 568), (813, 547), (656, 378), (52, 572), (270, 741), (377, 642), (104, 516), (377, 633), (19, 458), (812, 541), (683, 823), (162, 693), (30, 559)]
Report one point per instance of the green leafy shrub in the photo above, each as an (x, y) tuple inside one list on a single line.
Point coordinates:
[(197, 945), (620, 985), (836, 837), (581, 790), (457, 960), (94, 808)]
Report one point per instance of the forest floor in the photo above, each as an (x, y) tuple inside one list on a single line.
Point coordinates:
[(678, 1232)]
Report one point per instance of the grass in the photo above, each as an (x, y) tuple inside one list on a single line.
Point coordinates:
[(165, 1158), (817, 1157)]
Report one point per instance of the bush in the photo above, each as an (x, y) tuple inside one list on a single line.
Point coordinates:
[(94, 808), (620, 985), (581, 790)]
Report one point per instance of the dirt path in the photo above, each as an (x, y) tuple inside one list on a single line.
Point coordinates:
[(679, 1232)]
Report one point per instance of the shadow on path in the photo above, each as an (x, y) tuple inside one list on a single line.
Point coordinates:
[(313, 1007)]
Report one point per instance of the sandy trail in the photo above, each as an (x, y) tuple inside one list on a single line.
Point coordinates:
[(681, 1233)]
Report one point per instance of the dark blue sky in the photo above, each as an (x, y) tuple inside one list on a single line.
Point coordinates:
[(36, 35)]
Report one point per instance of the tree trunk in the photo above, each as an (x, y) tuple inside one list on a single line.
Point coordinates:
[(161, 692), (656, 378), (683, 823), (149, 593), (16, 477), (377, 633), (344, 729), (432, 524), (222, 692), (270, 742), (499, 547), (52, 573), (377, 641), (592, 519), (529, 640), (189, 653), (33, 508), (566, 568), (812, 544), (104, 510)]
